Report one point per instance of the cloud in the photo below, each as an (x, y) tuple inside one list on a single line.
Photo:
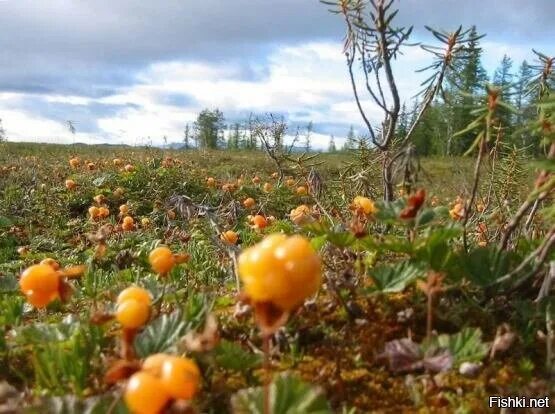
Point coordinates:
[(130, 69), (94, 47)]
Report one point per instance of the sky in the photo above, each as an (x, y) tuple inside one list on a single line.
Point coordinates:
[(134, 71)]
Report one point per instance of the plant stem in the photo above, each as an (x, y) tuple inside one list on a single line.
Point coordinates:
[(468, 208), (429, 315), (267, 372)]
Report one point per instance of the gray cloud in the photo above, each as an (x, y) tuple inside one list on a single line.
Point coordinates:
[(51, 44), (84, 116), (95, 48)]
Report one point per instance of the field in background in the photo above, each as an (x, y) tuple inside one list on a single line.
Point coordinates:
[(51, 357)]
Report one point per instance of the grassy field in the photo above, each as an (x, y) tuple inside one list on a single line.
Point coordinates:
[(405, 320)]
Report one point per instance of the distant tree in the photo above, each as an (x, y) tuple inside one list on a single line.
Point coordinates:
[(187, 137), (351, 141), (464, 85), (503, 79), (522, 102), (234, 139), (403, 121), (331, 146), (2, 132), (308, 134), (209, 128)]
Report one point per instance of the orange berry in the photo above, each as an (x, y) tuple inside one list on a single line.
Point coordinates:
[(290, 182), (458, 211), (210, 182), (301, 190), (40, 299), (229, 237), (256, 180), (181, 377), (153, 364), (132, 313), (145, 222), (40, 284), (300, 215), (249, 202), (145, 394), (259, 221), (134, 292), (124, 209), (70, 184), (118, 162), (161, 260), (280, 269), (103, 212), (50, 262), (129, 168), (267, 187), (74, 162), (364, 205), (128, 223), (94, 212)]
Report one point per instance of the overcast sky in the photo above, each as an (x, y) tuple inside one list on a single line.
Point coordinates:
[(125, 70)]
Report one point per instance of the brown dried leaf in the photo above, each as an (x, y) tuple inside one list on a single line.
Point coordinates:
[(120, 370)]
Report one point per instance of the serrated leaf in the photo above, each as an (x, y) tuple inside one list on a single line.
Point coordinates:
[(344, 239), (425, 217), (70, 404), (465, 346), (395, 278), (161, 335), (484, 265), (232, 356), (318, 242), (288, 395)]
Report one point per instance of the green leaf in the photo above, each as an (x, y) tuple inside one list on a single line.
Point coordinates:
[(318, 242), (484, 265), (288, 395), (344, 239), (317, 228), (70, 404), (395, 278), (465, 346), (434, 249), (388, 212), (5, 222), (161, 335), (425, 217), (232, 356)]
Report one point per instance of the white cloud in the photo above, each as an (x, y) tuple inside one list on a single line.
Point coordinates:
[(308, 82)]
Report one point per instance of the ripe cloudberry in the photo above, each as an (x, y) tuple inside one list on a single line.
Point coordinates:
[(161, 260), (40, 283), (229, 237), (132, 313), (280, 269), (145, 394), (181, 377), (136, 293)]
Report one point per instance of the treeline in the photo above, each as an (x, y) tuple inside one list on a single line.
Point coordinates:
[(452, 112), (435, 134)]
